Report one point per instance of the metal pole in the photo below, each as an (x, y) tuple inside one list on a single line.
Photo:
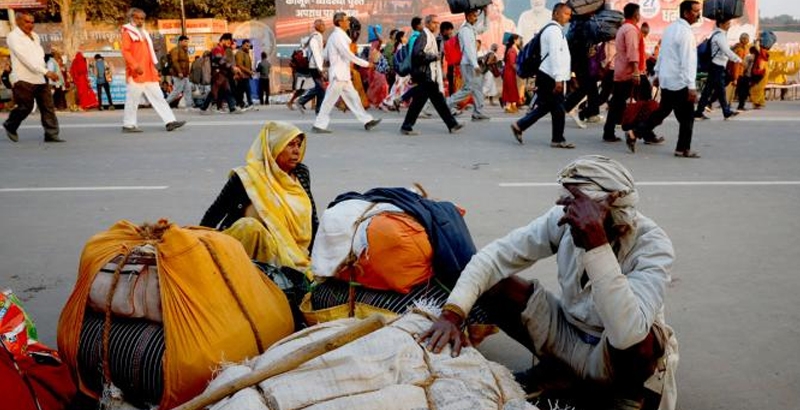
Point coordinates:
[(183, 20)]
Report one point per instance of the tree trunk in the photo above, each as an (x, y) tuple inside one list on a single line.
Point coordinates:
[(73, 26)]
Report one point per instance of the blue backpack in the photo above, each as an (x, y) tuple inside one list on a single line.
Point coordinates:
[(402, 61), (704, 55), (402, 58), (530, 57)]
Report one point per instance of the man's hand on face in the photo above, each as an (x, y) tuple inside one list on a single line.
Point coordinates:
[(586, 217), (445, 331)]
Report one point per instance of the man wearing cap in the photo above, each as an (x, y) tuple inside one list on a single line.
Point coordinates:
[(607, 330)]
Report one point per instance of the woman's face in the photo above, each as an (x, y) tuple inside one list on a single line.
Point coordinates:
[(290, 156)]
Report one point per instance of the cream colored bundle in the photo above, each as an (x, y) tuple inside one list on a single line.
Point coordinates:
[(386, 369)]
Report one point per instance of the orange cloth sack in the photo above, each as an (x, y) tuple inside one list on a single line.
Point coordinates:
[(398, 255), (217, 306)]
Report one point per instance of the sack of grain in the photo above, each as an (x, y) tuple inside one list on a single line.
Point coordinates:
[(386, 369)]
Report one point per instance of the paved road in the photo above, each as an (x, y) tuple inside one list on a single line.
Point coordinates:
[(732, 215)]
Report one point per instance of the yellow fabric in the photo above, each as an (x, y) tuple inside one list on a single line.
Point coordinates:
[(362, 311), (280, 201), (758, 92), (204, 323), (259, 243)]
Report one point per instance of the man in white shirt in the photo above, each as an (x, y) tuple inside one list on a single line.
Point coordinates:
[(315, 65), (28, 75), (553, 72), (676, 70), (341, 82), (717, 72), (607, 330), (474, 25)]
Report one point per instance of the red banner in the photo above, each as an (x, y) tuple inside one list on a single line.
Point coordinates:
[(23, 4)]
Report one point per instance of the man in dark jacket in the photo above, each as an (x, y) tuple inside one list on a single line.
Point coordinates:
[(179, 70), (426, 72)]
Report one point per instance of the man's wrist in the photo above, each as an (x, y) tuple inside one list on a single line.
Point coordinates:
[(453, 314)]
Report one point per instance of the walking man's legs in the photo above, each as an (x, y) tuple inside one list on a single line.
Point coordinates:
[(48, 111)]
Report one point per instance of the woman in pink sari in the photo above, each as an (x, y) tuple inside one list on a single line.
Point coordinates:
[(79, 70), (378, 86)]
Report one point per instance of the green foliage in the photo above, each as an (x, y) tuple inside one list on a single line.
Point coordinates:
[(113, 11), (784, 22), (232, 10)]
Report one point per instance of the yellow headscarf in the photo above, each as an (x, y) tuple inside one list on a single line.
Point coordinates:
[(280, 201)]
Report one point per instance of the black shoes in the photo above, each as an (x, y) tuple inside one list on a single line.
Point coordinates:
[(318, 130), (456, 128), (174, 125), (54, 139), (11, 134), (372, 124)]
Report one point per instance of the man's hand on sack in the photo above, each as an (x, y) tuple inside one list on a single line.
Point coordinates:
[(586, 217), (445, 331)]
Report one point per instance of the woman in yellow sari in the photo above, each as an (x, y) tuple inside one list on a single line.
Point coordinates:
[(267, 204)]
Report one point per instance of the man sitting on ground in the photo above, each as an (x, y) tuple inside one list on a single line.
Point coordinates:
[(607, 332)]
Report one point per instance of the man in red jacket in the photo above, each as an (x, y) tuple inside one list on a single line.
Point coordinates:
[(141, 74)]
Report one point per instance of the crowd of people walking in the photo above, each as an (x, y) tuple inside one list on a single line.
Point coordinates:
[(434, 66)]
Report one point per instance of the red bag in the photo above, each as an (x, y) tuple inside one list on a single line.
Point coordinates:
[(637, 112), (32, 375), (39, 376)]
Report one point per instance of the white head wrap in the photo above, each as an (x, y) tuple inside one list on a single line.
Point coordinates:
[(598, 176)]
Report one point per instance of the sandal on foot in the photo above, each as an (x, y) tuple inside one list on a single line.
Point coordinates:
[(655, 141), (630, 141), (687, 154), (517, 133), (562, 144)]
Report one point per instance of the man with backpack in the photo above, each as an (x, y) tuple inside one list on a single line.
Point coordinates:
[(426, 71), (474, 25), (341, 81), (315, 65), (720, 52), (553, 72), (676, 70), (221, 70)]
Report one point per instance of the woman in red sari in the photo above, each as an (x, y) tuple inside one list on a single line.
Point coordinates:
[(79, 70), (510, 88)]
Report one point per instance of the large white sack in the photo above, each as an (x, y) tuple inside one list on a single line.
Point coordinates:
[(372, 372)]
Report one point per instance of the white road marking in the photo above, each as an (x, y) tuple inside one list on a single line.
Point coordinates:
[(662, 183), (85, 188), (308, 119)]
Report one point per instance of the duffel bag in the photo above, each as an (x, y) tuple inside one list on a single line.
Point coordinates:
[(585, 7), (216, 306), (463, 6), (608, 23), (398, 255), (723, 9)]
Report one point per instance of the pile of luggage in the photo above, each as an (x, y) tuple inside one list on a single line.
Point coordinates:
[(157, 307)]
